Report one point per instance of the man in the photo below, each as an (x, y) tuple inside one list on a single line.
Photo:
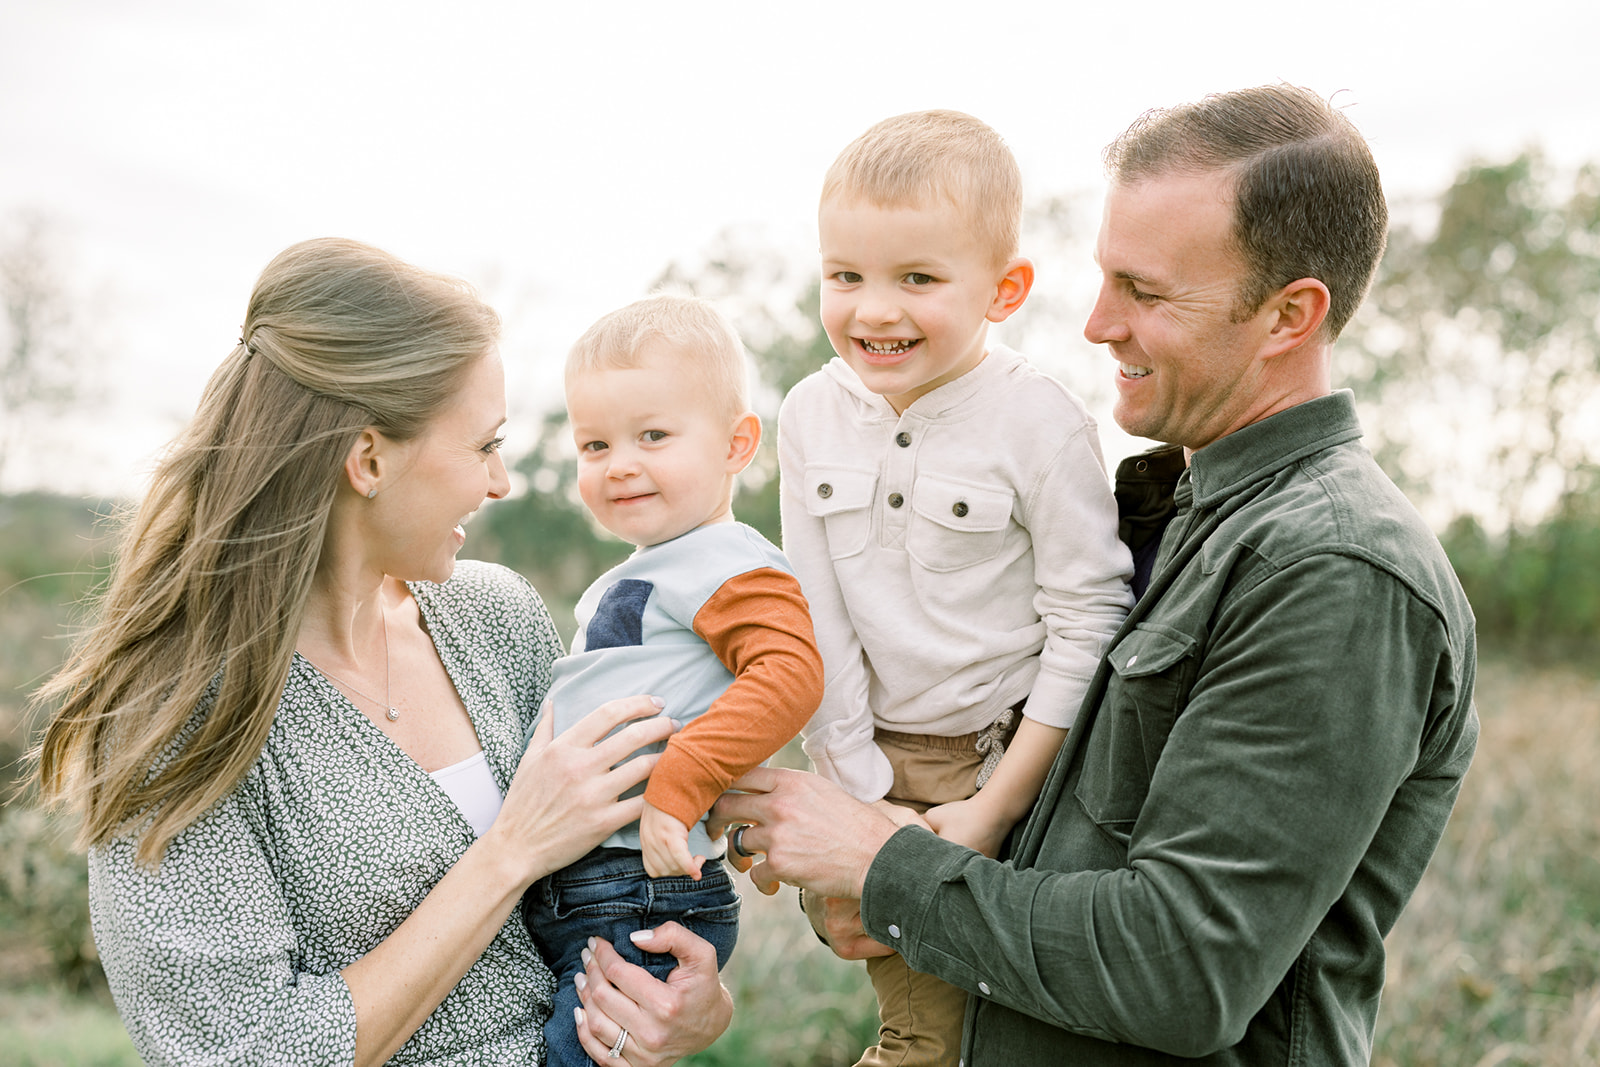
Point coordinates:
[(1270, 749)]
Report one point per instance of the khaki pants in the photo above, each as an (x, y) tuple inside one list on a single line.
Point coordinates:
[(920, 1017)]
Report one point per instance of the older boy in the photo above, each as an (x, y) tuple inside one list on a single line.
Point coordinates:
[(706, 616), (948, 513)]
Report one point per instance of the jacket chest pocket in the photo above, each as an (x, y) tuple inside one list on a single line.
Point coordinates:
[(954, 525), (842, 498), (1153, 672)]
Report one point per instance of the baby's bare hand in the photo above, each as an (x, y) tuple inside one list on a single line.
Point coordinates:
[(664, 841)]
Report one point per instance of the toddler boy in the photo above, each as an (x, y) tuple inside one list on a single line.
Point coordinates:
[(705, 615), (947, 510)]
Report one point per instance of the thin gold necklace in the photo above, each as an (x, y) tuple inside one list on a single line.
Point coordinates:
[(392, 713)]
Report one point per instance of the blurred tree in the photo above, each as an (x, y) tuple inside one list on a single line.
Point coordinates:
[(37, 349), (1478, 353), (1479, 346)]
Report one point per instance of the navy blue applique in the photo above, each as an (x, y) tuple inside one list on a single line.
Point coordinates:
[(619, 617)]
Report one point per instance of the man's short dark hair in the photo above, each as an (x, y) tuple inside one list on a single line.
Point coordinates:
[(1307, 199)]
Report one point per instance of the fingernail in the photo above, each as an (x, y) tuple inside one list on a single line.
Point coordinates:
[(658, 702), (578, 1018), (587, 956), (580, 980), (641, 935)]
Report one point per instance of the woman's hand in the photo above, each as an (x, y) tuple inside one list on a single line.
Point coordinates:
[(563, 798), (665, 1020)]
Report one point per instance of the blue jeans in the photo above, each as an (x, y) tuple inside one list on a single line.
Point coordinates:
[(607, 895)]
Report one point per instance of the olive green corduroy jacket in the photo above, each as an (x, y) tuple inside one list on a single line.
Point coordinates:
[(1260, 773)]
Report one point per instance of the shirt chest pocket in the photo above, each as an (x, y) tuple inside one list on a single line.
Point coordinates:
[(955, 525), (1154, 670), (842, 498)]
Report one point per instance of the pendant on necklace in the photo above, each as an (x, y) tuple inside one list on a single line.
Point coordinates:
[(393, 714)]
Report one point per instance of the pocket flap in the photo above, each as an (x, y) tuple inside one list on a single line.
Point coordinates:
[(978, 509), (829, 490), (1147, 651)]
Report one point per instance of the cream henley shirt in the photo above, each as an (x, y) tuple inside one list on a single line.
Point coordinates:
[(957, 558)]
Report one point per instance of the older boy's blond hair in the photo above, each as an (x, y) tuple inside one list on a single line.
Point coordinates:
[(914, 159), (685, 329)]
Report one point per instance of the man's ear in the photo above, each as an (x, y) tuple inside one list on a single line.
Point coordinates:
[(1297, 313), (744, 441), (365, 464), (1015, 284)]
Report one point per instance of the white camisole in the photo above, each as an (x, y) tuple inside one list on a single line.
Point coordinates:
[(471, 785)]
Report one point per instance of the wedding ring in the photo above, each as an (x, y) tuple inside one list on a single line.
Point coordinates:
[(736, 842), (616, 1050)]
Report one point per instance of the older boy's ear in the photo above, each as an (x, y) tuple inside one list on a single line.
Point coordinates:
[(1015, 284), (742, 445)]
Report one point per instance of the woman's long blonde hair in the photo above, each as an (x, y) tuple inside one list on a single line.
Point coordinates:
[(166, 700)]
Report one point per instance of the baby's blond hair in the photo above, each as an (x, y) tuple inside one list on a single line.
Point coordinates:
[(914, 159), (684, 328)]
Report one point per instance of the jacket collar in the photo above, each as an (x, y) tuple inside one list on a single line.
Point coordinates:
[(1263, 449)]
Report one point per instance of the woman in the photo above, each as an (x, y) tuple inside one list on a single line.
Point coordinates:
[(294, 732)]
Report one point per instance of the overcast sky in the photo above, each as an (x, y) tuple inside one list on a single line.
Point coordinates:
[(559, 156)]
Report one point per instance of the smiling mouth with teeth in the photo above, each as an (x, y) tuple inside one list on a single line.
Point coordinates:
[(889, 348), (1130, 371)]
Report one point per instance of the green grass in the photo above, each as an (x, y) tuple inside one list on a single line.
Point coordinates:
[(42, 1027)]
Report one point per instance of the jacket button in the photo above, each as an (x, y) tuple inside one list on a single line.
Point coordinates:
[(902, 439), (824, 490), (894, 931), (983, 987), (895, 500), (960, 509)]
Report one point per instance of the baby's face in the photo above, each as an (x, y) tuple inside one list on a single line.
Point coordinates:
[(653, 457), (906, 294)]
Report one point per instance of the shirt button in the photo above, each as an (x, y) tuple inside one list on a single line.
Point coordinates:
[(895, 500), (983, 987), (960, 509), (894, 931), (824, 490), (1132, 660), (902, 439)]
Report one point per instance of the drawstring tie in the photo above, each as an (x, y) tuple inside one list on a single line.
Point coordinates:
[(991, 743)]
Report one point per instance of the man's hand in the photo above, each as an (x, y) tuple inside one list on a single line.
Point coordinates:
[(814, 834), (837, 920), (665, 844)]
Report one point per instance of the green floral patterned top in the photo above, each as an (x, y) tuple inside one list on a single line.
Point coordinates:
[(230, 952)]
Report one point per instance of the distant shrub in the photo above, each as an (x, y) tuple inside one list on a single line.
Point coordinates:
[(1534, 591), (44, 893), (52, 548)]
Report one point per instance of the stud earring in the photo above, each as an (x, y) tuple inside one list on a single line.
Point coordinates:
[(371, 493)]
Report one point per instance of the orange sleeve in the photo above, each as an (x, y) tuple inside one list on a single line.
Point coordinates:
[(758, 625)]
